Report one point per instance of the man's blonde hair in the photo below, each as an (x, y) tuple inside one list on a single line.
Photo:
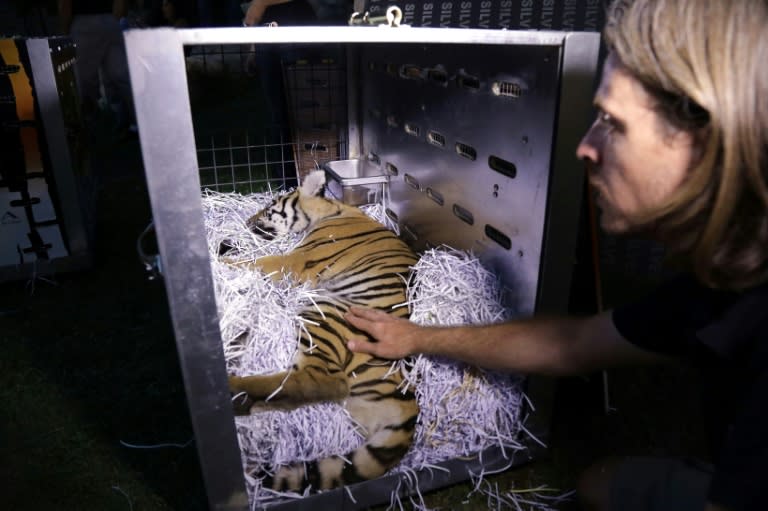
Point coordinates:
[(704, 64)]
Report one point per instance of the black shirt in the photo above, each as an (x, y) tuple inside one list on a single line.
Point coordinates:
[(80, 7), (726, 335)]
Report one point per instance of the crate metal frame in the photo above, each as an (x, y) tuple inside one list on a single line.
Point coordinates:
[(158, 76)]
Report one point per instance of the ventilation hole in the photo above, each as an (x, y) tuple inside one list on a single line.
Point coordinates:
[(318, 148), (435, 196), (391, 68), (391, 169), (502, 166), (409, 231), (464, 214), (393, 121), (436, 138), (412, 182), (391, 215), (374, 158), (469, 82), (411, 72), (437, 75), (375, 113), (498, 236), (467, 151), (508, 89), (412, 129)]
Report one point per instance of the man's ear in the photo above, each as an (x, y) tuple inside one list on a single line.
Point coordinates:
[(313, 184)]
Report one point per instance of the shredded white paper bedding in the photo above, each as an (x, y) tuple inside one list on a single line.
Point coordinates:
[(464, 410)]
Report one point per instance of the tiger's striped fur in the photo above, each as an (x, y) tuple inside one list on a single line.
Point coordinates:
[(362, 263)]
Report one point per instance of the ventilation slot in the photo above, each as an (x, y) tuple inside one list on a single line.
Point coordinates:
[(411, 72), (464, 214), (412, 182), (469, 82), (435, 196), (374, 158), (498, 236), (502, 166), (436, 138), (393, 121), (467, 151), (391, 215), (438, 76), (507, 89), (391, 169), (409, 231), (412, 129), (318, 148)]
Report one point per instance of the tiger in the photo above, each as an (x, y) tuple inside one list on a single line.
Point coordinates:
[(357, 261)]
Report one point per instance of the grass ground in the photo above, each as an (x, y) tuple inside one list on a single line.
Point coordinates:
[(88, 363)]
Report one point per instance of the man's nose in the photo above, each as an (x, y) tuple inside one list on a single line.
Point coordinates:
[(588, 149)]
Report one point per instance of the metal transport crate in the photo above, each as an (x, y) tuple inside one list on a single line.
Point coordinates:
[(475, 131), (46, 194)]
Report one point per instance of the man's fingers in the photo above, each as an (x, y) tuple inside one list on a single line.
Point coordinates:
[(360, 345)]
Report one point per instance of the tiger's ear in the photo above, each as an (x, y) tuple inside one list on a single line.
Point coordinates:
[(313, 183)]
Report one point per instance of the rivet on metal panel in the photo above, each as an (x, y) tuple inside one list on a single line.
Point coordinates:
[(498, 236), (463, 214), (391, 169), (435, 196), (436, 138), (412, 182), (466, 150), (502, 166), (412, 129)]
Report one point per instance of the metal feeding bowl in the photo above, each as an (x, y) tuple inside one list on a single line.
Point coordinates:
[(355, 182)]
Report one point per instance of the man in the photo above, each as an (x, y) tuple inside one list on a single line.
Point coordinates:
[(94, 26), (679, 151)]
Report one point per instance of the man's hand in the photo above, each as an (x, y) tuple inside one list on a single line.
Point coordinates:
[(395, 336), (256, 10)]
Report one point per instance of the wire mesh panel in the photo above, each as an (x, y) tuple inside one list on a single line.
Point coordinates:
[(246, 162)]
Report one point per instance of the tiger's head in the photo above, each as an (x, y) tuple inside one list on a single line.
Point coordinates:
[(295, 211)]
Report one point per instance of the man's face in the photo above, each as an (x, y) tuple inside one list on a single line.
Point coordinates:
[(634, 162)]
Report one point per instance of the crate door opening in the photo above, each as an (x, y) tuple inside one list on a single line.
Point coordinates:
[(464, 133)]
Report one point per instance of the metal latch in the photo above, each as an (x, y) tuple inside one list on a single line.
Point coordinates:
[(392, 18)]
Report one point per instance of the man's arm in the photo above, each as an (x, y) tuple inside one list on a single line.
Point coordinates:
[(256, 9), (554, 346)]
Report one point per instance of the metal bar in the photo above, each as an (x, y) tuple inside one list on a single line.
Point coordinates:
[(343, 34), (52, 118), (158, 78), (579, 64)]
